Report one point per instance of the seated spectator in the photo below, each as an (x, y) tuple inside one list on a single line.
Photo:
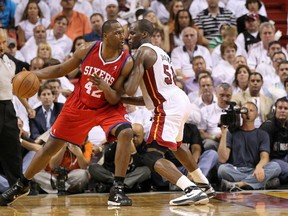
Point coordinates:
[(112, 9), (31, 18), (224, 71), (55, 85), (151, 16), (244, 155), (270, 71), (258, 52), (78, 23), (175, 6), (57, 36), (199, 5), (239, 60), (7, 9), (198, 65), (251, 34), (44, 51), (183, 19), (209, 28), (45, 9), (182, 56), (46, 114), (253, 7), (214, 42), (29, 50), (160, 9), (229, 35), (206, 93), (157, 38), (136, 173), (76, 160), (277, 89), (241, 79), (96, 20), (12, 49), (253, 94), (277, 129), (210, 117)]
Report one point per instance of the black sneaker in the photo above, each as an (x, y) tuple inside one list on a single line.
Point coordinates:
[(273, 183), (208, 189), (12, 194), (117, 197), (229, 186)]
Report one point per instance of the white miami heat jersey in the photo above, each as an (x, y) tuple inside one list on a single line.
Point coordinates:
[(158, 82)]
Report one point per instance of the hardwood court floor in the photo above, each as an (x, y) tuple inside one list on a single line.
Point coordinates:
[(250, 203)]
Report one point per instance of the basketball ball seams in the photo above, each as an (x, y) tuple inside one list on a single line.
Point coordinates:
[(25, 84)]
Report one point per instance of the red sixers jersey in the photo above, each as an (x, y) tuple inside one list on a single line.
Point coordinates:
[(93, 63)]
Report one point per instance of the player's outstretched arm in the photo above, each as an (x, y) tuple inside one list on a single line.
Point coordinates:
[(137, 101), (66, 67)]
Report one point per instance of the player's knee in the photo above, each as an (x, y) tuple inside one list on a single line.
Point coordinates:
[(124, 130), (150, 158)]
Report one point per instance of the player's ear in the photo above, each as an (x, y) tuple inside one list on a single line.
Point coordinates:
[(144, 34)]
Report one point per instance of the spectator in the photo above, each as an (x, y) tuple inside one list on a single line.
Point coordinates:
[(241, 79), (209, 20), (136, 173), (253, 7), (277, 129), (112, 9), (44, 51), (157, 38), (258, 52), (239, 60), (182, 56), (229, 35), (269, 71), (151, 16), (29, 50), (31, 18), (198, 65), (75, 159), (78, 23), (57, 36), (198, 5), (251, 34), (224, 71), (253, 94), (45, 9), (210, 117), (12, 49), (245, 156), (160, 9), (206, 93), (7, 9), (214, 42), (55, 85), (96, 21), (277, 90), (46, 114), (175, 6)]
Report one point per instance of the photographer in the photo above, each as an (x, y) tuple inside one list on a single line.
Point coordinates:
[(277, 128), (245, 156), (70, 165)]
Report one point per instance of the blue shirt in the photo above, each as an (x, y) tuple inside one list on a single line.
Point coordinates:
[(93, 36), (8, 14)]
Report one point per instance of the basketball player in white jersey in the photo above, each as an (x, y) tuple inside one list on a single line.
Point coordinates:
[(154, 73)]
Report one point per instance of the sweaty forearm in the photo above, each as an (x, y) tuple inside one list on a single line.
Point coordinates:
[(137, 101)]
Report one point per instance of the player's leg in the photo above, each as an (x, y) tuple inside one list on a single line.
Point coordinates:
[(154, 159), (185, 157), (124, 134)]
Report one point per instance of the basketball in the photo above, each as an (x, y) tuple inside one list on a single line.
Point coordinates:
[(25, 84)]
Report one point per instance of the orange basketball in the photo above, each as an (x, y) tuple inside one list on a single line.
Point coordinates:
[(25, 84)]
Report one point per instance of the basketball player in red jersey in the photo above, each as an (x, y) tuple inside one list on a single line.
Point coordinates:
[(154, 73), (95, 101)]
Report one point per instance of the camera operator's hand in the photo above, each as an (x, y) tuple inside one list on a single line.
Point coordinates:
[(75, 150), (259, 174)]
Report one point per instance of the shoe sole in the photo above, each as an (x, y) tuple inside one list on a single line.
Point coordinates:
[(201, 201), (112, 203), (25, 194)]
